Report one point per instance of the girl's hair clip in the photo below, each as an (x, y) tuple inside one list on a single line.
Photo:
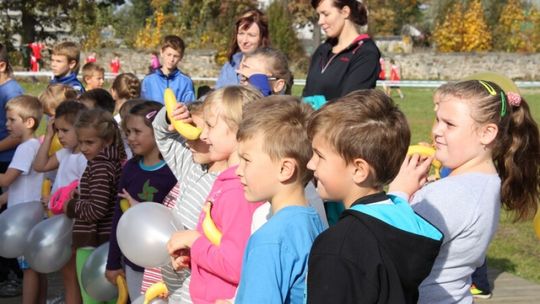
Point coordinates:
[(151, 115), (514, 99)]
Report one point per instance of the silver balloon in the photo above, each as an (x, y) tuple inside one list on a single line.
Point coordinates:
[(93, 275), (15, 224), (140, 300), (48, 246), (143, 232)]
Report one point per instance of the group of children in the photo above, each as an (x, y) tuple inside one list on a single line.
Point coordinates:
[(251, 171)]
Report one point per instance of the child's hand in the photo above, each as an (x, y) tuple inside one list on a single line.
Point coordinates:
[(49, 133), (181, 240), (223, 302), (112, 274), (182, 261), (412, 174), (182, 114), (131, 200)]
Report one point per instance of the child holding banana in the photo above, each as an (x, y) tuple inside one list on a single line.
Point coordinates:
[(216, 260)]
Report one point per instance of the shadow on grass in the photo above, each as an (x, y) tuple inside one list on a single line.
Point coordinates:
[(497, 266)]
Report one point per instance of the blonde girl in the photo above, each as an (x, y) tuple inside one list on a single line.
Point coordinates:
[(216, 266), (489, 140), (92, 206)]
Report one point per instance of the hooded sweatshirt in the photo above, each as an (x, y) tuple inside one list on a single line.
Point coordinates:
[(379, 252), (93, 210), (70, 80), (154, 85)]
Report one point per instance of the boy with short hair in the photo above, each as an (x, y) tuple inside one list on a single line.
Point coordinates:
[(93, 76), (273, 168), (23, 115), (65, 60), (169, 76), (380, 250)]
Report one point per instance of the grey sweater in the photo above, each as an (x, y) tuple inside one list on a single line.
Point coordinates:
[(466, 209)]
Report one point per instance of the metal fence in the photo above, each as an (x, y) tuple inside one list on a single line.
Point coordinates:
[(302, 82)]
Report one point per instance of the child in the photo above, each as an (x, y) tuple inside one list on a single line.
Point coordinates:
[(273, 168), (216, 267), (380, 250), (120, 118), (24, 184), (98, 98), (124, 87), (92, 208), (93, 76), (115, 64), (268, 70), (70, 163), (65, 60), (395, 77), (190, 162), (146, 178), (168, 76), (54, 95), (489, 140)]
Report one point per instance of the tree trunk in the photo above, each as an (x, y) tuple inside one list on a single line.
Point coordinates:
[(29, 23)]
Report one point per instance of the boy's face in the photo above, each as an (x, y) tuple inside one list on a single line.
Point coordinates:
[(95, 81), (66, 133), (15, 125), (170, 59), (60, 65), (257, 171), (333, 174)]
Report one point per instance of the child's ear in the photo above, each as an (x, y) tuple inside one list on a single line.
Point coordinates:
[(3, 66), (29, 123), (72, 64), (488, 133), (287, 169), (360, 170), (279, 85)]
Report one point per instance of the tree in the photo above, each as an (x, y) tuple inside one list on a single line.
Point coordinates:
[(281, 30), (448, 34), (476, 35), (304, 15)]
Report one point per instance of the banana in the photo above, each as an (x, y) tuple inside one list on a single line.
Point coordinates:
[(46, 188), (158, 289), (55, 145), (186, 130), (124, 204), (122, 290), (426, 151), (209, 227)]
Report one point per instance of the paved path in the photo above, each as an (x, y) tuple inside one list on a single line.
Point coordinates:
[(508, 289)]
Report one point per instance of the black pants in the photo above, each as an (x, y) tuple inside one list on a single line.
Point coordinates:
[(7, 265)]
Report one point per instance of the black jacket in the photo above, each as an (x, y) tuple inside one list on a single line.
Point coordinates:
[(365, 260), (356, 67)]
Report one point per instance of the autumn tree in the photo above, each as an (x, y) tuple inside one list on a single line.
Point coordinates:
[(281, 30), (476, 35), (508, 31), (448, 35)]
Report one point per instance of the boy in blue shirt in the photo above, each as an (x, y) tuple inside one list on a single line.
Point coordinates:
[(273, 168), (65, 60), (168, 75), (380, 250)]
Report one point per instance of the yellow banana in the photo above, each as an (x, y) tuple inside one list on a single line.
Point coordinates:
[(122, 290), (45, 193), (186, 130), (55, 145), (536, 224), (426, 151), (124, 204), (158, 289), (209, 227)]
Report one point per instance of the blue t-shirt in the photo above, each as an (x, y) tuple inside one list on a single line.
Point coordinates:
[(275, 261), (154, 85), (8, 90)]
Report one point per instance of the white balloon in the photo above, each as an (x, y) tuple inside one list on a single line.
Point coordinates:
[(93, 275), (143, 232), (15, 224), (48, 246)]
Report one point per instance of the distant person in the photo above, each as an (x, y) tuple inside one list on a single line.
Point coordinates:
[(250, 33), (65, 60), (382, 75), (91, 58), (93, 76), (115, 64), (348, 60), (35, 55), (169, 76), (154, 62), (395, 77)]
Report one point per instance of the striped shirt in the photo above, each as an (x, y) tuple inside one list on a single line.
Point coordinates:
[(93, 210), (194, 182)]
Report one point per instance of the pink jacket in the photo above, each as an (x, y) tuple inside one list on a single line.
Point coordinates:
[(215, 270)]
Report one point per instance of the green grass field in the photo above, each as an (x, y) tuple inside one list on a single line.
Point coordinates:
[(515, 248)]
